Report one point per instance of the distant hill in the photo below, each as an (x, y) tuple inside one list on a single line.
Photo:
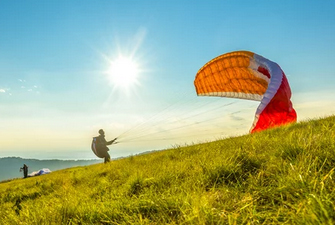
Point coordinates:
[(10, 166)]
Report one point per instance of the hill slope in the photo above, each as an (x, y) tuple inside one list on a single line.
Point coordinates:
[(283, 175)]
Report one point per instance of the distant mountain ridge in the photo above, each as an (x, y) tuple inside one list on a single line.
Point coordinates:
[(10, 166)]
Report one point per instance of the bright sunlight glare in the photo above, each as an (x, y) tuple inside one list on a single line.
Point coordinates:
[(123, 72)]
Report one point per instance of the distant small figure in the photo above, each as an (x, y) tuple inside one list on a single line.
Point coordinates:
[(25, 170), (101, 146)]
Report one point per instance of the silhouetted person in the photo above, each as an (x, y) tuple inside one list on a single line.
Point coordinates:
[(25, 170), (101, 145)]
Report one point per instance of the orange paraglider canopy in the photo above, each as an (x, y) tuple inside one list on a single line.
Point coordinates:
[(246, 75)]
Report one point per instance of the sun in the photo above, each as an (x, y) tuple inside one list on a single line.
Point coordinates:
[(123, 72)]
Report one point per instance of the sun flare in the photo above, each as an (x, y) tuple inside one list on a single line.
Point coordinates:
[(123, 72)]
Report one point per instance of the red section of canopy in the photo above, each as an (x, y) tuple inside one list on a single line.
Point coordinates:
[(278, 111), (264, 71)]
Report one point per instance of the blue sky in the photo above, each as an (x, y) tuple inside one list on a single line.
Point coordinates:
[(55, 92)]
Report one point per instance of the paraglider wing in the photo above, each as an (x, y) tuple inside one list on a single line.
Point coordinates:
[(246, 75), (40, 172)]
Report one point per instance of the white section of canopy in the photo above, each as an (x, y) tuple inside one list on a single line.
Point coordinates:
[(276, 75)]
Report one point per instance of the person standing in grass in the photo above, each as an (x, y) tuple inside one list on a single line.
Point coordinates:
[(25, 170), (101, 145)]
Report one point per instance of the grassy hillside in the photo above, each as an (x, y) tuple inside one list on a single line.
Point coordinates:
[(283, 175)]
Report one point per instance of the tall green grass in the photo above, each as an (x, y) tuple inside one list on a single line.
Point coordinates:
[(279, 176)]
